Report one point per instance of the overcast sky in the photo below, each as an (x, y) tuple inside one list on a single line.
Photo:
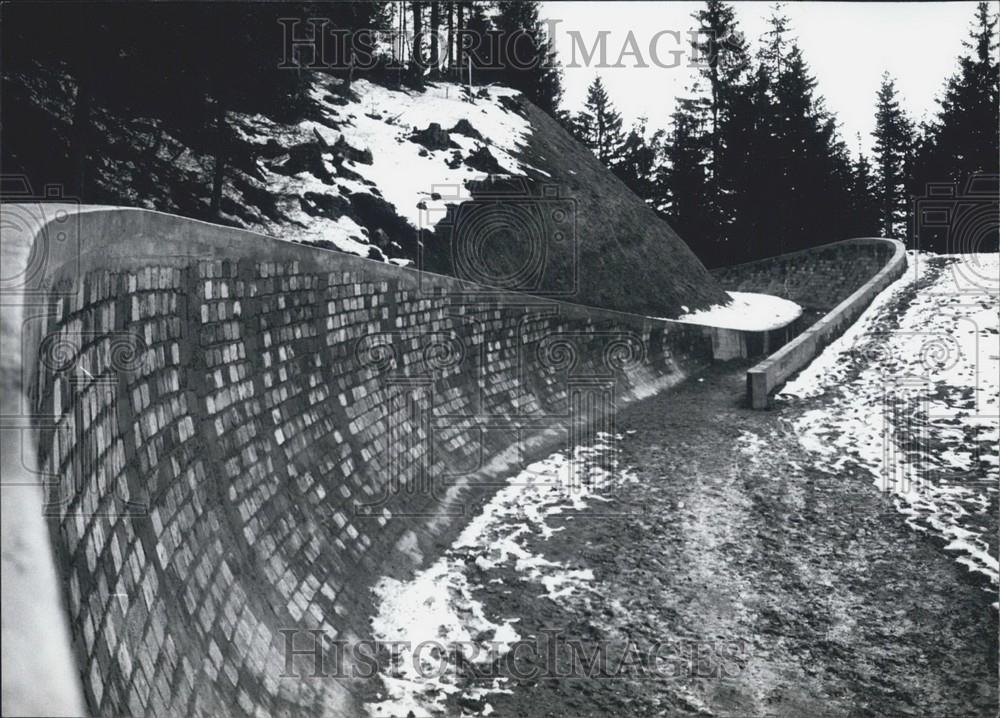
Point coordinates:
[(846, 44)]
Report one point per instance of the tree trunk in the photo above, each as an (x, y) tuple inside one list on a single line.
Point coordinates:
[(81, 128), (349, 77), (403, 47), (451, 36), (458, 40), (716, 139), (221, 147), (418, 40), (435, 23)]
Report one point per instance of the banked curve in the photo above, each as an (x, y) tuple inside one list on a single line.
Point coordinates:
[(239, 435)]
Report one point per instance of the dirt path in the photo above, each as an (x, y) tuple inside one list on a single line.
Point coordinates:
[(745, 582)]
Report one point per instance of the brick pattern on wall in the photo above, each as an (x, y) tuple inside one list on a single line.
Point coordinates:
[(237, 446)]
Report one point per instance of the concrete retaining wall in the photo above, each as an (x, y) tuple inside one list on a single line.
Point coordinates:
[(239, 435), (818, 279), (880, 262)]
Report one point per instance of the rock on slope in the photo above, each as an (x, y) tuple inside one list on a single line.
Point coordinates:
[(479, 184)]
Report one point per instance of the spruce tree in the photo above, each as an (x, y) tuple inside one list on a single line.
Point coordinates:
[(684, 176), (833, 189), (893, 143), (527, 57), (864, 206), (639, 160), (721, 52), (724, 60), (599, 125), (809, 173), (774, 44), (962, 139)]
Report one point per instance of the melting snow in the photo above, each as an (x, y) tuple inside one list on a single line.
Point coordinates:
[(914, 399), (418, 182), (748, 311), (438, 604), (407, 173)]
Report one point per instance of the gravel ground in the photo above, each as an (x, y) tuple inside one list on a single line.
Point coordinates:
[(737, 578)]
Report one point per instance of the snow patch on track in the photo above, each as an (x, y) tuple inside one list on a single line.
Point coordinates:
[(748, 311), (438, 606)]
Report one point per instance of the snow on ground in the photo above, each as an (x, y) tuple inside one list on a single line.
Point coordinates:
[(748, 311), (418, 182), (344, 232), (407, 173), (438, 605), (910, 392)]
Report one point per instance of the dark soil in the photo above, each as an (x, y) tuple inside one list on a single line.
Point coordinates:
[(771, 587)]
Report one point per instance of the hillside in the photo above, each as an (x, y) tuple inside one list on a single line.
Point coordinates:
[(478, 184)]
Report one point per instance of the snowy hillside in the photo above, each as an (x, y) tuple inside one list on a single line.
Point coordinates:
[(475, 182), (373, 145)]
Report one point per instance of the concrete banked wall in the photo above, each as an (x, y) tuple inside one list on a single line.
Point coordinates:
[(243, 434), (839, 279), (818, 278)]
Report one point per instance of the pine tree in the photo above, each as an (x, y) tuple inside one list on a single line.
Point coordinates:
[(721, 50), (684, 176), (962, 139), (893, 143), (639, 160), (864, 206), (599, 125), (527, 56)]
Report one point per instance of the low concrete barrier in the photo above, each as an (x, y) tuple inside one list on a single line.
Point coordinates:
[(771, 373)]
